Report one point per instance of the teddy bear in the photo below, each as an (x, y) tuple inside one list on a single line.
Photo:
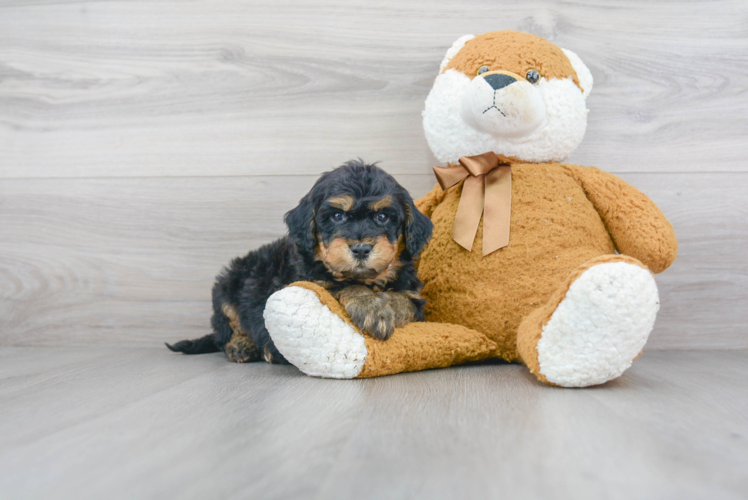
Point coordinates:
[(531, 260)]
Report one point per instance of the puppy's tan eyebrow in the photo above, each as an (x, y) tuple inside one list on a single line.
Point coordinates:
[(380, 204), (344, 202)]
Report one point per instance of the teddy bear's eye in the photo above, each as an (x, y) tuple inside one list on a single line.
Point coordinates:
[(532, 76), (482, 69)]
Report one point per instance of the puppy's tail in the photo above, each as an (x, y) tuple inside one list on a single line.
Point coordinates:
[(197, 346)]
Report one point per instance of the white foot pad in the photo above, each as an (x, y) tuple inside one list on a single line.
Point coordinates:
[(311, 337), (600, 326)]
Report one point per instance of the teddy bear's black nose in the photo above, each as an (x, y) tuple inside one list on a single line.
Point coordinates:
[(499, 81)]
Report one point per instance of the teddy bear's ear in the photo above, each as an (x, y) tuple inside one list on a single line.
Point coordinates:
[(583, 72), (453, 50)]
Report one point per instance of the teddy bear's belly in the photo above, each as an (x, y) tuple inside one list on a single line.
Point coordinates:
[(554, 229)]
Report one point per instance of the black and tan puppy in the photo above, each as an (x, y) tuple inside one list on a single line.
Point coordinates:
[(356, 233)]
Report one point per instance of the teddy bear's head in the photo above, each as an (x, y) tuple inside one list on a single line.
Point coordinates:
[(512, 93)]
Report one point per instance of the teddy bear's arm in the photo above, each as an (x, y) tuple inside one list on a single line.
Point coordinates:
[(427, 203), (635, 223)]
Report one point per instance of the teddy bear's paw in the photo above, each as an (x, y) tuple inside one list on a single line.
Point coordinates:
[(311, 337), (600, 326)]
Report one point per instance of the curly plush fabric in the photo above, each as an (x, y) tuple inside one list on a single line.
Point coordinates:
[(609, 307), (513, 51), (562, 216), (560, 85), (315, 334), (637, 225)]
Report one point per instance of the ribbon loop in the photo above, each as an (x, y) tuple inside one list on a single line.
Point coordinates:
[(481, 164), (450, 176), (487, 191)]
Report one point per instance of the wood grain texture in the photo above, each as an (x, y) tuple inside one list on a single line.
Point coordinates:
[(146, 423), (132, 261), (144, 144), (169, 88)]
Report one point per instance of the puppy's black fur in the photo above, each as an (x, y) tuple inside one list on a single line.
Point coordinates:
[(356, 227)]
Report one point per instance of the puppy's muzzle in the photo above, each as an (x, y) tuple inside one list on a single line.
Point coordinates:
[(361, 251)]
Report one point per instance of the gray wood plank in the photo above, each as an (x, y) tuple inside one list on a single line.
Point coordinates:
[(636, 437), (709, 279), (101, 89), (131, 261), (83, 261), (79, 373), (154, 424)]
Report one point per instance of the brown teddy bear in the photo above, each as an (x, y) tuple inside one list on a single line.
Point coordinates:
[(531, 260)]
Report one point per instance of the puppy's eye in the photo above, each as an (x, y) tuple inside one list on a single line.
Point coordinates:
[(382, 218), (532, 76), (338, 217), (483, 69)]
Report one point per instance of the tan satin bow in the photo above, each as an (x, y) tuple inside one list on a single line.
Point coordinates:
[(488, 191)]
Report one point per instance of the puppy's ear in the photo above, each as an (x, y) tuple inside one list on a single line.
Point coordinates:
[(300, 222), (418, 228)]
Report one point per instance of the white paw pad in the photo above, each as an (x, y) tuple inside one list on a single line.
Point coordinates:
[(311, 337), (600, 326)]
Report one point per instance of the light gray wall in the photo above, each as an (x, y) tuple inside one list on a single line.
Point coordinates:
[(144, 144)]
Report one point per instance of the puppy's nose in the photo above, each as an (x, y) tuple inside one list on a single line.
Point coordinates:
[(361, 250), (499, 81)]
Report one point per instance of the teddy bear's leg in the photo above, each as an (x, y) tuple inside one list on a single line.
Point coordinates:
[(594, 326), (314, 333)]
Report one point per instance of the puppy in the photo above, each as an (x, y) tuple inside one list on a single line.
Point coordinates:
[(356, 233)]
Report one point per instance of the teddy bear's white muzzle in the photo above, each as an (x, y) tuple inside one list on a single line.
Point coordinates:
[(505, 107)]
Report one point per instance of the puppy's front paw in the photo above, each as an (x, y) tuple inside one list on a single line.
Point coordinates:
[(377, 313), (375, 318), (241, 350)]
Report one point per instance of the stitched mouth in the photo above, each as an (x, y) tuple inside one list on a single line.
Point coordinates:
[(493, 106)]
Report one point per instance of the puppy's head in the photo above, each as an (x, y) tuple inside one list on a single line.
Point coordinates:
[(360, 223)]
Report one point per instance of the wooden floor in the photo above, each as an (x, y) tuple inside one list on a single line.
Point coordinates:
[(97, 422)]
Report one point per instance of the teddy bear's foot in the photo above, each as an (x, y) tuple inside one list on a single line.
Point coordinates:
[(594, 326), (311, 337), (314, 333)]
